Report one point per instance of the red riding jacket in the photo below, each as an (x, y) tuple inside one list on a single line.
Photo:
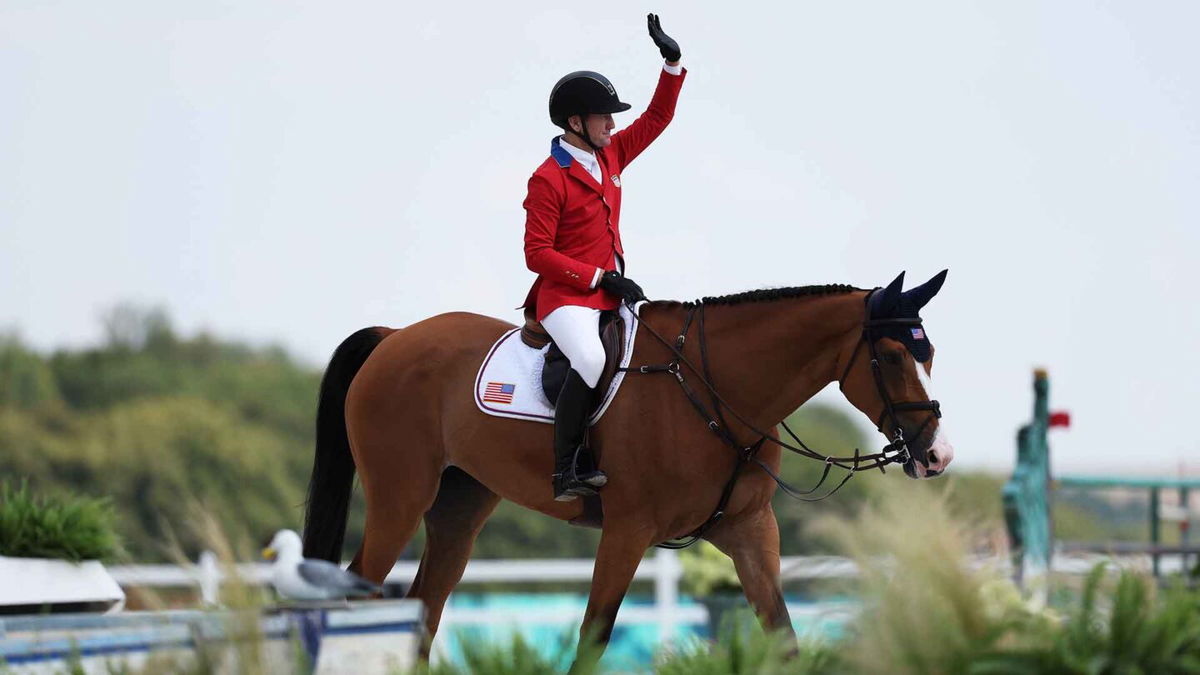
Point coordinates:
[(572, 225)]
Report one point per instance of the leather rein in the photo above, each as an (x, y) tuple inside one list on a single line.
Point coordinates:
[(895, 452)]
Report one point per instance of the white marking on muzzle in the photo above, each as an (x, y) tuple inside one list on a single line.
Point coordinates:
[(940, 452)]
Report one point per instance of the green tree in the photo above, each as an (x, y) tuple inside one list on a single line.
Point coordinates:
[(25, 379), (157, 421)]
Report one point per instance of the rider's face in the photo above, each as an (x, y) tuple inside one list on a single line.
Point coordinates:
[(598, 126)]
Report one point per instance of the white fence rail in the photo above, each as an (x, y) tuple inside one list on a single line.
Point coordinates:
[(663, 568)]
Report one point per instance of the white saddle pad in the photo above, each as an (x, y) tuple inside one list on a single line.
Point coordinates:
[(509, 383)]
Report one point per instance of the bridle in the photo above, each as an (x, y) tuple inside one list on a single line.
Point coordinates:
[(895, 452), (890, 408)]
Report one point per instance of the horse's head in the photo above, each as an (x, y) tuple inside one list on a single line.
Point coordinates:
[(890, 380)]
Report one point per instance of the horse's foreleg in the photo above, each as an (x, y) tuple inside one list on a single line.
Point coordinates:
[(617, 560), (753, 544)]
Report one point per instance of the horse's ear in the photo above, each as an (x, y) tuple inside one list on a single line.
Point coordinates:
[(921, 295), (890, 297)]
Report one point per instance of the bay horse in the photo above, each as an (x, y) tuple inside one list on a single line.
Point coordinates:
[(396, 406)]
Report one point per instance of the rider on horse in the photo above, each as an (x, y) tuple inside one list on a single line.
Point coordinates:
[(573, 239)]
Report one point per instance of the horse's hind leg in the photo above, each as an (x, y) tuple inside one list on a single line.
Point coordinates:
[(397, 492), (451, 525)]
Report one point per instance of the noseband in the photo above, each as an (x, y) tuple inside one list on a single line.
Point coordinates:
[(899, 444)]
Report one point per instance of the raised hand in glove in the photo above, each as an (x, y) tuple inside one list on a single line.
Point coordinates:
[(668, 47), (618, 285)]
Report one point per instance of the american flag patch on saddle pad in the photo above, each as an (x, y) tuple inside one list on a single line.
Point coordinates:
[(509, 382), (499, 392)]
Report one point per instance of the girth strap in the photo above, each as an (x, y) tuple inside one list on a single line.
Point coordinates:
[(697, 534)]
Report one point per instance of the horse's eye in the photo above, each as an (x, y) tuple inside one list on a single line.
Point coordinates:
[(892, 358)]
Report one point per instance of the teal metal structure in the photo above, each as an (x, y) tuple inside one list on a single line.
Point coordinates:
[(1027, 494), (1156, 549), (1027, 501)]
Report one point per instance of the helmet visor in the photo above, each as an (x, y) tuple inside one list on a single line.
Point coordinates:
[(608, 107)]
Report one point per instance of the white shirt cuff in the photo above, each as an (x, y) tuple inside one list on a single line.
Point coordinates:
[(596, 277), (673, 70)]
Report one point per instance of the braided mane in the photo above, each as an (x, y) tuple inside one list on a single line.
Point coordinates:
[(765, 295)]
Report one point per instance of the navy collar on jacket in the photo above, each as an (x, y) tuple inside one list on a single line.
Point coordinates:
[(560, 155)]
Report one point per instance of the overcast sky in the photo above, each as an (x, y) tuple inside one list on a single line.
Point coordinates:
[(291, 171)]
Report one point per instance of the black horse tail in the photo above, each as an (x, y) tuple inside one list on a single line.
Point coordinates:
[(332, 478)]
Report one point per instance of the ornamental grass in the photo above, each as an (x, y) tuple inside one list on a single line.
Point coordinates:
[(74, 528), (927, 609)]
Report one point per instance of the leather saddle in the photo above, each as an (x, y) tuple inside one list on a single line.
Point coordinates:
[(554, 373)]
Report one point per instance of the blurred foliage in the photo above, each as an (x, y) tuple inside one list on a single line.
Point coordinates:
[(154, 421), (26, 380), (517, 657), (827, 431), (929, 610), (1126, 627), (706, 570), (742, 649)]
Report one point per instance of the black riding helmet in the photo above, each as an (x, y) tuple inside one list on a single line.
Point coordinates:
[(583, 92)]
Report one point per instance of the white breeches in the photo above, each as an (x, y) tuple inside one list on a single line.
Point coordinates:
[(576, 331)]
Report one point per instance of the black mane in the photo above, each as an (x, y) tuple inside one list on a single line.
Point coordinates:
[(766, 295)]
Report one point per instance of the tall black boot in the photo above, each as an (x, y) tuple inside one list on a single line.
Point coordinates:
[(570, 425)]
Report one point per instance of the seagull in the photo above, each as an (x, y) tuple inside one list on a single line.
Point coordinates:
[(298, 578)]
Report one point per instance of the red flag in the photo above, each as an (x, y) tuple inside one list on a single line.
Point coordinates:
[(1061, 418)]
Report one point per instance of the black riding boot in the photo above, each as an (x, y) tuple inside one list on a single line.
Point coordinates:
[(570, 424)]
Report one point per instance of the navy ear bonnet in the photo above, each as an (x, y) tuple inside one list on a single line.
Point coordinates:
[(894, 303)]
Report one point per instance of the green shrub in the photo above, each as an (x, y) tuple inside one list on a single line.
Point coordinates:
[(73, 529), (706, 570), (925, 610), (1135, 633)]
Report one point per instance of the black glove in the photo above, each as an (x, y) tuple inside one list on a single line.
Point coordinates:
[(618, 285), (668, 47)]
